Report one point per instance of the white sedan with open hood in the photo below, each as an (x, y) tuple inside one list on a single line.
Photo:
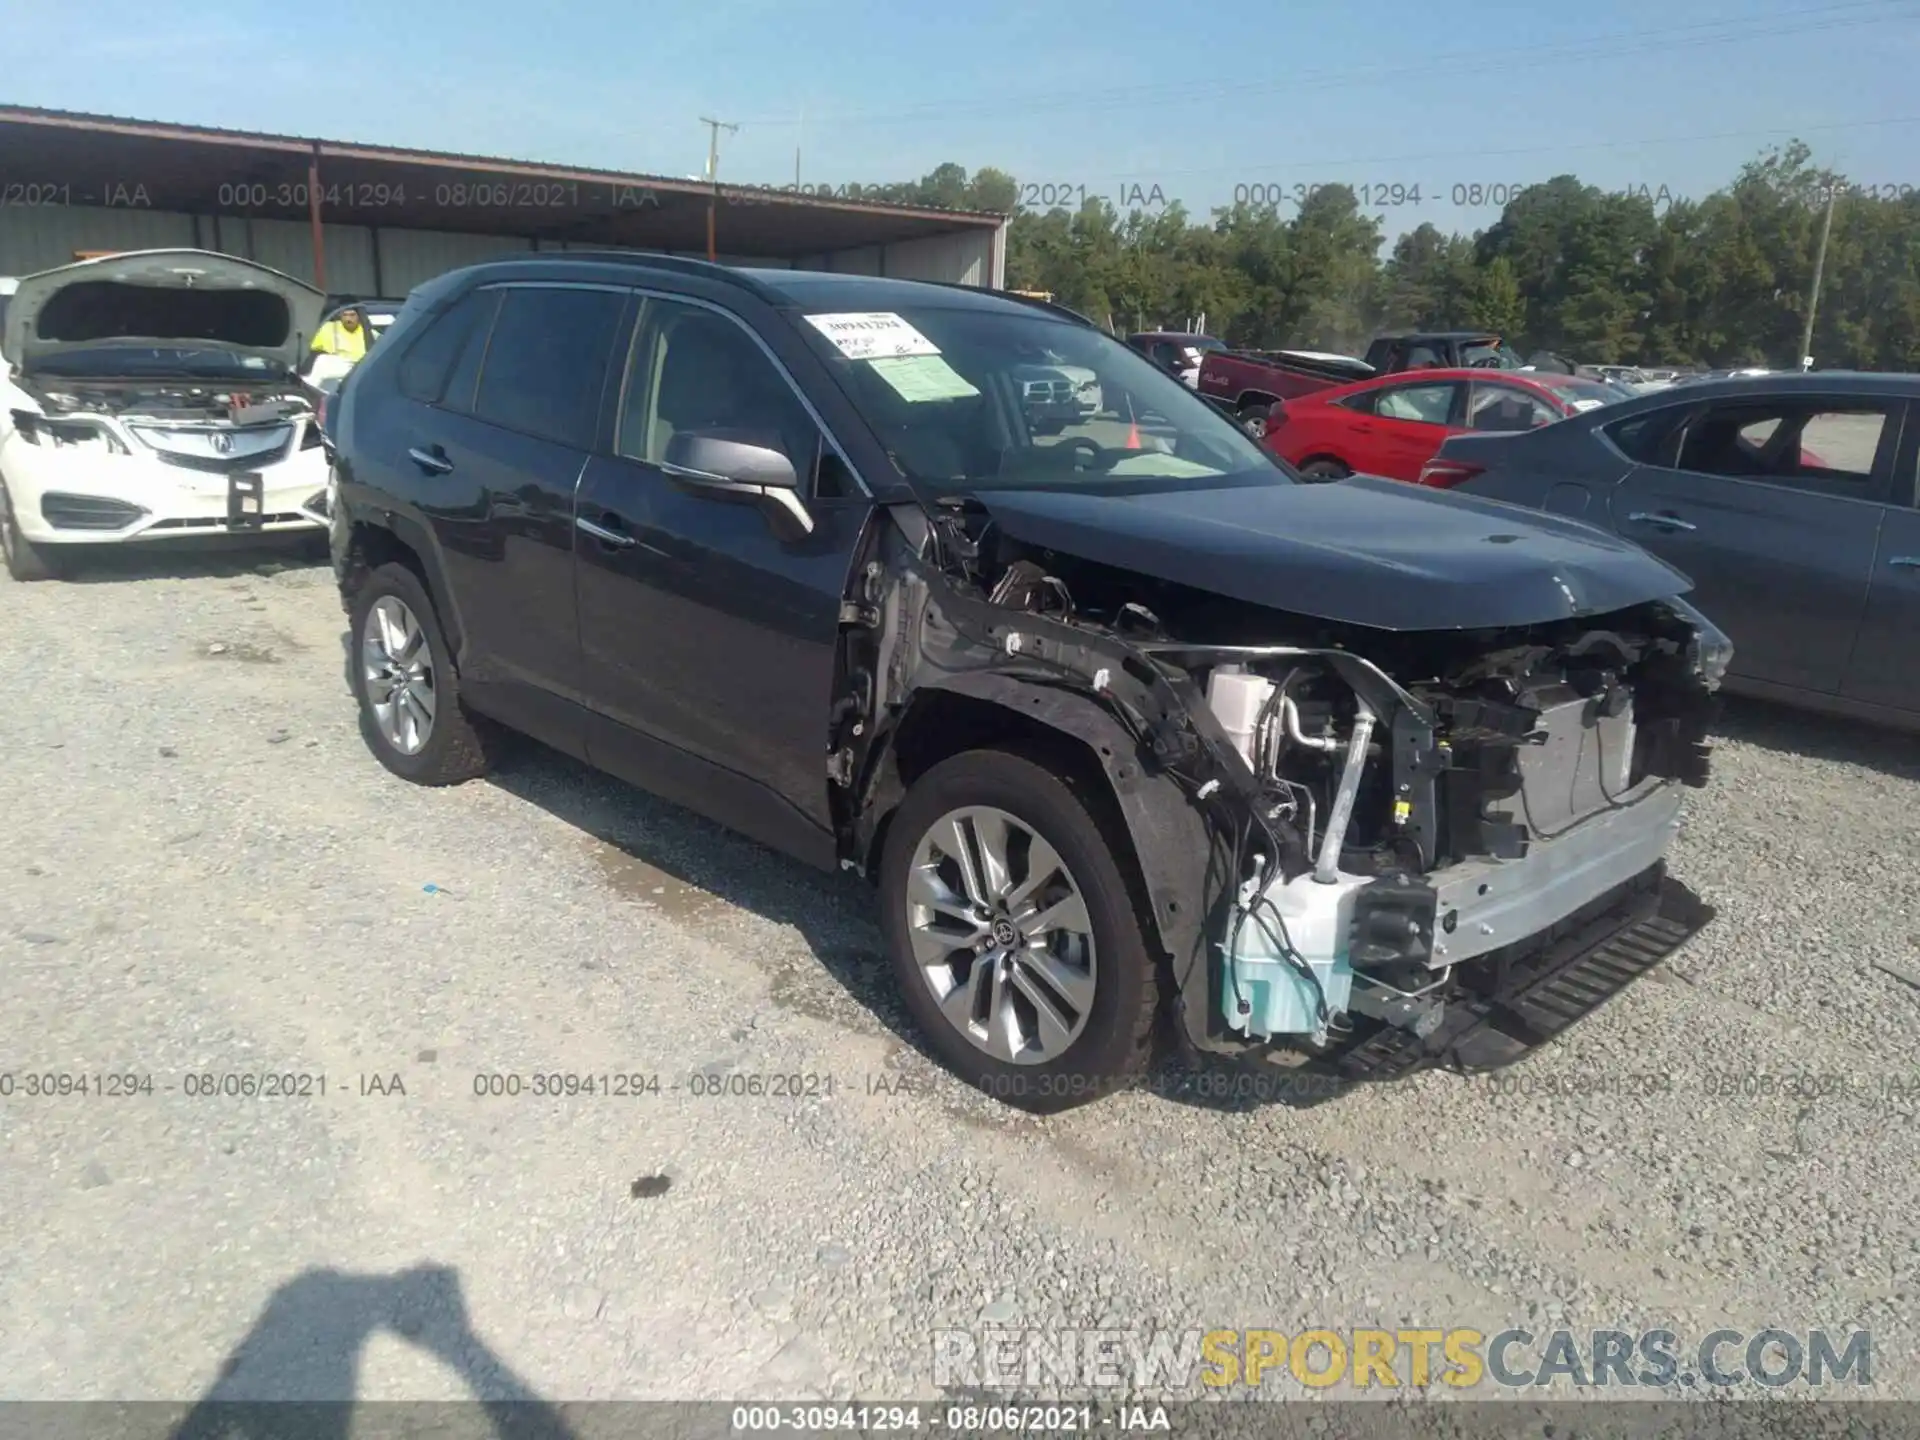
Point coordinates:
[(152, 396)]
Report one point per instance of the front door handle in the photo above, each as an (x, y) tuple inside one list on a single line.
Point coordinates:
[(1905, 562), (602, 534), (1663, 520), (433, 460)]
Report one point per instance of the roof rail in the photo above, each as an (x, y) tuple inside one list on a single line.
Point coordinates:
[(653, 260)]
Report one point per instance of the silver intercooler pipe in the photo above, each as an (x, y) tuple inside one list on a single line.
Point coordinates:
[(1327, 870)]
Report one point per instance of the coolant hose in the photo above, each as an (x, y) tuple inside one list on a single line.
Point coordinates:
[(1327, 870)]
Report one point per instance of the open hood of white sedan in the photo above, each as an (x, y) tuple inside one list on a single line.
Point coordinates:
[(181, 299)]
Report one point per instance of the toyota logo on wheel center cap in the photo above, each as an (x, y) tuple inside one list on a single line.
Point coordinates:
[(1004, 934)]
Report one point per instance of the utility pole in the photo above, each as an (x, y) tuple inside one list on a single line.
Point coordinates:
[(799, 135), (714, 127), (1819, 267)]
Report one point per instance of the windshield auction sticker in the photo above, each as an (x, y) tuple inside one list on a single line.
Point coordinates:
[(918, 379), (875, 336)]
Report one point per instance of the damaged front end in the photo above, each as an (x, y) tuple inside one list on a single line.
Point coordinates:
[(1377, 849)]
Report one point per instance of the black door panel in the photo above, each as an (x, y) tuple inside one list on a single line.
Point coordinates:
[(712, 636), (709, 623), (505, 477), (505, 528)]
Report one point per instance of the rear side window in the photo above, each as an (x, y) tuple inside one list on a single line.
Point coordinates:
[(546, 362), (1426, 404), (1641, 437), (430, 358)]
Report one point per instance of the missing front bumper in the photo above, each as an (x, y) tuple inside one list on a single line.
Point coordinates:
[(1514, 1002)]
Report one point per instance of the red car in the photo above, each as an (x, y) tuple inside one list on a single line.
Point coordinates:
[(1393, 424)]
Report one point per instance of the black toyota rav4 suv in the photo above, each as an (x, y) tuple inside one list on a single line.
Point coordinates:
[(1133, 734)]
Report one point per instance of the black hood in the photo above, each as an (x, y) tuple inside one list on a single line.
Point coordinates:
[(1365, 552)]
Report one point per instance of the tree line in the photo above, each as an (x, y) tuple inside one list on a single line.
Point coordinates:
[(1602, 277)]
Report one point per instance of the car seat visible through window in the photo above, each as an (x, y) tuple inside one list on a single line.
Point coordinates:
[(714, 381)]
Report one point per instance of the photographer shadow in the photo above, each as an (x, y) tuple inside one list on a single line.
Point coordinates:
[(294, 1374)]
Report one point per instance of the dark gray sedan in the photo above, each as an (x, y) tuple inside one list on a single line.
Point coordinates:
[(1790, 500)]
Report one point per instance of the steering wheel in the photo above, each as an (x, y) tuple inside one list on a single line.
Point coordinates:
[(1098, 456)]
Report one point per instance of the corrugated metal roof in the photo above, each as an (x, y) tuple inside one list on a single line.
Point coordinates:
[(167, 130)]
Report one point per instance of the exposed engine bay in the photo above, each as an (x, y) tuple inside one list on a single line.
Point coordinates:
[(1369, 826), (272, 400)]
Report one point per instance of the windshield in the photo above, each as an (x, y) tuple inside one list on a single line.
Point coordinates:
[(1585, 393), (1496, 355), (132, 361), (976, 399)]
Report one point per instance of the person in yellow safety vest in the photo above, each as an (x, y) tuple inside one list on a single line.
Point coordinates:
[(344, 336)]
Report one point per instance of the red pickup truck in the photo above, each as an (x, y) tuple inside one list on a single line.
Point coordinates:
[(1252, 382)]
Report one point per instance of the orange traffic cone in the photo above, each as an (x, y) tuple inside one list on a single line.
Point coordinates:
[(1133, 435)]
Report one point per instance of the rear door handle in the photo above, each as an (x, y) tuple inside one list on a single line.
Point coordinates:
[(602, 534), (433, 460), (1663, 520), (1905, 562)]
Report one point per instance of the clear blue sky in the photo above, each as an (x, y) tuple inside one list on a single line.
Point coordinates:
[(1101, 94)]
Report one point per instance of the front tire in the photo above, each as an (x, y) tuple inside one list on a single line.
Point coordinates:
[(409, 694), (1014, 934), (26, 562)]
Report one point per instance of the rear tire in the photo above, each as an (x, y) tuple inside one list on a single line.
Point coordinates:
[(1077, 939), (1253, 419), (26, 562), (1324, 471), (409, 694)]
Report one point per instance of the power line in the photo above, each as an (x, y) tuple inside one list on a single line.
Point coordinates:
[(1470, 157), (1720, 32), (1476, 155)]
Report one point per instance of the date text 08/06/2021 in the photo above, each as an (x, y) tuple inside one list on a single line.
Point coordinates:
[(962, 1419)]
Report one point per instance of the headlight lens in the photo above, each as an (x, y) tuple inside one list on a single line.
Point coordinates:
[(66, 434), (1711, 651)]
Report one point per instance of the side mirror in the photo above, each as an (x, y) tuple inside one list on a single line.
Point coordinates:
[(716, 457), (744, 472)]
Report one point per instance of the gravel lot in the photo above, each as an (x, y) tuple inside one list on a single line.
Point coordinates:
[(205, 872)]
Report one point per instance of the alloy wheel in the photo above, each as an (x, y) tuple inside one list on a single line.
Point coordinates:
[(1001, 935), (397, 669)]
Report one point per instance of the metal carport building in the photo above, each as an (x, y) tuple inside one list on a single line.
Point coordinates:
[(367, 221)]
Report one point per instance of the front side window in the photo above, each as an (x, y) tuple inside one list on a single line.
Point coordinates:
[(977, 398), (696, 372), (546, 362), (1507, 407), (1490, 355), (1808, 444), (1424, 404)]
